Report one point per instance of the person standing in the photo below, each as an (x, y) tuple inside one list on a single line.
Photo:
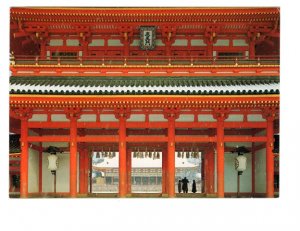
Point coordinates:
[(185, 182), (194, 189), (179, 186)]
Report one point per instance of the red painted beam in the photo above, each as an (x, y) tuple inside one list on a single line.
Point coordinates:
[(49, 125), (103, 139), (110, 125), (188, 139), (214, 70), (48, 138), (245, 139), (245, 124), (107, 125), (195, 124)]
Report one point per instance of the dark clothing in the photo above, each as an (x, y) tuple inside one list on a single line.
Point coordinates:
[(179, 186), (194, 190), (185, 188)]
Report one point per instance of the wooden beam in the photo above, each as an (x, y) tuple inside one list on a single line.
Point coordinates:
[(245, 139), (245, 124), (108, 125), (188, 139), (103, 139), (48, 138)]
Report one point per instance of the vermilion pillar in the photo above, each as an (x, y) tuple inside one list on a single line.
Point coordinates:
[(24, 158), (220, 156), (164, 171), (43, 52), (270, 157), (209, 171), (73, 156), (171, 156), (128, 167), (122, 156), (252, 49), (209, 51)]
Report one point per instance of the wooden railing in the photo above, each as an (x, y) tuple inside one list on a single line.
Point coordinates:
[(142, 60)]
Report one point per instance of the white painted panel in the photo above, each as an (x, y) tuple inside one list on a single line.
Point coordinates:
[(87, 118), (59, 118), (198, 42), (108, 118), (135, 42), (239, 42), (154, 117), (255, 118), (114, 42), (247, 54), (159, 42), (230, 174), (214, 53), (33, 171), (180, 42), (237, 118), (206, 118), (72, 42), (38, 117), (56, 42), (97, 42), (136, 117), (185, 118), (222, 42), (260, 171)]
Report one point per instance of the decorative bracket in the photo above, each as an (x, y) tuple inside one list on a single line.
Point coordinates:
[(21, 113), (221, 113), (122, 113), (73, 113), (171, 113)]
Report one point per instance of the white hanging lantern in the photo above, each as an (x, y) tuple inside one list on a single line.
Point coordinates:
[(52, 162), (240, 163)]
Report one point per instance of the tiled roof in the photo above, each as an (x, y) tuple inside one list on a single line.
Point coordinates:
[(14, 143), (144, 85)]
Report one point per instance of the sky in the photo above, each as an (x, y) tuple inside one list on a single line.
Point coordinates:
[(165, 214)]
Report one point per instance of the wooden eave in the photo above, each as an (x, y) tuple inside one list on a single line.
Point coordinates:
[(142, 101), (145, 15)]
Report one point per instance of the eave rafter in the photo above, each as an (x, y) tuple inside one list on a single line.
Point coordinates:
[(144, 14), (161, 101)]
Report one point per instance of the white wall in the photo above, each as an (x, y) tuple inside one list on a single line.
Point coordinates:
[(33, 171), (260, 171), (230, 174), (62, 174)]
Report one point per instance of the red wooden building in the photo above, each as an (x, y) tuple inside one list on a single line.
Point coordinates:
[(160, 79)]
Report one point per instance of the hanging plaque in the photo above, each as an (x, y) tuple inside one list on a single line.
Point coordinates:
[(147, 37)]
